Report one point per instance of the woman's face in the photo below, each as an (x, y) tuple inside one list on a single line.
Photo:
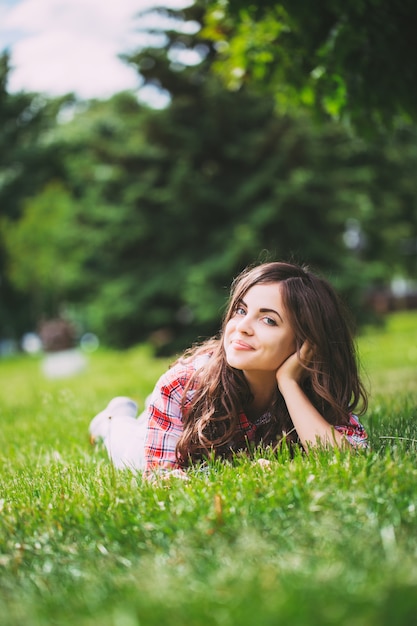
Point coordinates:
[(258, 336)]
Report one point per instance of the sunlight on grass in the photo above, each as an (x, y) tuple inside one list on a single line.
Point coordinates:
[(389, 354)]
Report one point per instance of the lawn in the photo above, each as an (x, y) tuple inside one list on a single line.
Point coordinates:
[(324, 539)]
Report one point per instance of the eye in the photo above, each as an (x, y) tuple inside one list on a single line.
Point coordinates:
[(269, 321), (240, 310)]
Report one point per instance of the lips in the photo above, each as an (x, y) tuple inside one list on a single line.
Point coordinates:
[(241, 345)]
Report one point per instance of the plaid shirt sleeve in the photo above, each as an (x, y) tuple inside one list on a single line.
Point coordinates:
[(354, 432), (165, 419)]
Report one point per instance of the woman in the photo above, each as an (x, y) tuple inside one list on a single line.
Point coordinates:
[(282, 367)]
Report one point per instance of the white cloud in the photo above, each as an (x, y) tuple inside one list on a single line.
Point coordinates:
[(59, 46)]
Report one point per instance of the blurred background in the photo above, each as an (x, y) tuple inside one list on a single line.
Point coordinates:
[(149, 153)]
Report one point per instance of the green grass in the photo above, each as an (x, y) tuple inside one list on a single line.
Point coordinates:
[(324, 539), (390, 354)]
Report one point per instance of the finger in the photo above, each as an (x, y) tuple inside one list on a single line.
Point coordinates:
[(306, 351)]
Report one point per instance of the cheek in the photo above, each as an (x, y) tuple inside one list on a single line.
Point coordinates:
[(227, 331), (292, 344), (287, 347)]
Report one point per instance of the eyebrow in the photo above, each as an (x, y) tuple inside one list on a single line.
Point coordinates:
[(271, 311), (264, 310)]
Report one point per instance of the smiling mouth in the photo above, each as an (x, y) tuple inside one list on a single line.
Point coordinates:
[(241, 345)]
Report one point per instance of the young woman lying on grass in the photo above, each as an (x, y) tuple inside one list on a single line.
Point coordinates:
[(283, 366)]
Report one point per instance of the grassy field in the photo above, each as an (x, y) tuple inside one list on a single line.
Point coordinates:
[(324, 539)]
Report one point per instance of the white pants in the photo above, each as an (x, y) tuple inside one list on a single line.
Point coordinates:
[(122, 433)]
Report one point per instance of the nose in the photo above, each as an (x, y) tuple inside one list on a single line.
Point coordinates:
[(244, 325)]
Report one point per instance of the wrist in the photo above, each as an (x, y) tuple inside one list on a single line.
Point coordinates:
[(286, 384)]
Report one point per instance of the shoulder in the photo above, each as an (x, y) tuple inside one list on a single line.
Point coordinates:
[(177, 377)]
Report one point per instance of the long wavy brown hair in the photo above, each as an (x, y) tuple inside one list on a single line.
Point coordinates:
[(221, 392)]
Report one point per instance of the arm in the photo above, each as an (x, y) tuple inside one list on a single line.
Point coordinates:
[(164, 423), (310, 425)]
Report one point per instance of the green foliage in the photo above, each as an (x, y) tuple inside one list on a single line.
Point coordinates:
[(323, 539), (350, 60), (45, 261), (142, 218), (29, 159)]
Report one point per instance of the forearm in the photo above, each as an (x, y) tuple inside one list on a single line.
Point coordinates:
[(311, 427)]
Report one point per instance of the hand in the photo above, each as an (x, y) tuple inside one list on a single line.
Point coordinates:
[(293, 369)]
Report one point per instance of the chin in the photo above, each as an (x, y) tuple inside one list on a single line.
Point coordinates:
[(235, 363)]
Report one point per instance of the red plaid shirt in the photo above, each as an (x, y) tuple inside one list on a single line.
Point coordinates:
[(165, 419)]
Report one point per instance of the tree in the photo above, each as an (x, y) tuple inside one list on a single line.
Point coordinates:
[(44, 250), (161, 208), (169, 205), (28, 159), (227, 179), (353, 61)]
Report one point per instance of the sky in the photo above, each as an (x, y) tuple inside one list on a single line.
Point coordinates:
[(61, 46)]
